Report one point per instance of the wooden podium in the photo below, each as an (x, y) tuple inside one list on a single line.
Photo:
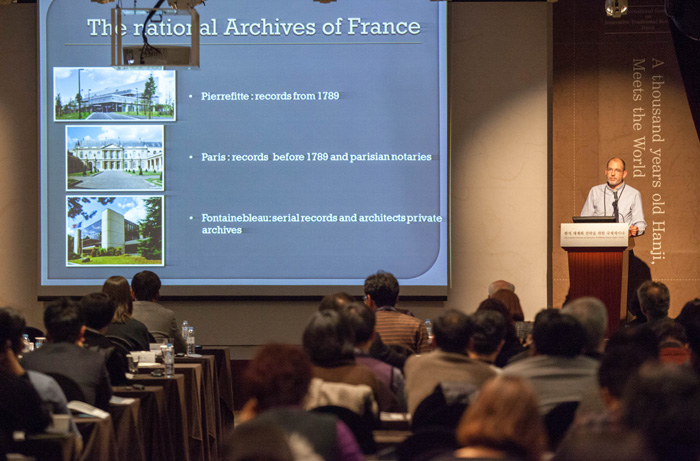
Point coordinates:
[(598, 265)]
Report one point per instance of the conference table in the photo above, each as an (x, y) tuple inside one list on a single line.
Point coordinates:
[(156, 418), (198, 423), (160, 418), (222, 367)]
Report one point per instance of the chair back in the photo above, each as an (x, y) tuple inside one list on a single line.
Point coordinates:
[(70, 388), (557, 422), (159, 335), (361, 427), (427, 444), (444, 407), (121, 344)]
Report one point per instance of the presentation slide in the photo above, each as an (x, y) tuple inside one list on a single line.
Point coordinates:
[(305, 150)]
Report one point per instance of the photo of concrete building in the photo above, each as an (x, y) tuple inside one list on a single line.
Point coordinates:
[(108, 94), (109, 157)]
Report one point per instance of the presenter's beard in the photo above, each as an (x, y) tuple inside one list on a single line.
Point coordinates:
[(614, 185)]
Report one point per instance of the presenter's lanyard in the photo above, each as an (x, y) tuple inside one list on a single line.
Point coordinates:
[(617, 199)]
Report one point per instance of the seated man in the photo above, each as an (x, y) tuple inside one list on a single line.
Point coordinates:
[(488, 336), (593, 317), (97, 310), (63, 355), (557, 369), (396, 328), (145, 288), (450, 362), (661, 402), (21, 408), (12, 325), (654, 300)]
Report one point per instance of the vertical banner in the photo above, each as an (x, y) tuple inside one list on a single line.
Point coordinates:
[(618, 92)]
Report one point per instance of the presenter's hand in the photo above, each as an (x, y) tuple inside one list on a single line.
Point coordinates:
[(633, 231)]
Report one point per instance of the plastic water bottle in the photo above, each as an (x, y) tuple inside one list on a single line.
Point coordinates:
[(169, 360), (190, 341), (429, 328), (27, 345), (185, 329)]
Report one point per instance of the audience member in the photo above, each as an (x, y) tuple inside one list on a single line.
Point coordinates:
[(673, 342), (97, 310), (487, 336), (450, 362), (63, 355), (503, 423), (257, 441), (593, 445), (593, 317), (512, 345), (691, 324), (21, 407), (12, 325), (654, 299), (509, 299), (558, 371), (690, 311), (123, 324), (328, 341), (500, 285), (396, 328), (145, 287), (512, 303), (277, 379), (662, 403), (378, 349), (627, 350), (335, 301), (361, 320)]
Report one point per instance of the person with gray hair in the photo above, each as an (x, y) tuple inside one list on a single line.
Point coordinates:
[(654, 299), (593, 316), (500, 285)]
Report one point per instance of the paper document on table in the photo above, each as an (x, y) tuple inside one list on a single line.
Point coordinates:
[(82, 407), (116, 400)]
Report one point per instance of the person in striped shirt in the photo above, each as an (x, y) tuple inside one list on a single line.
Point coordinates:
[(396, 328)]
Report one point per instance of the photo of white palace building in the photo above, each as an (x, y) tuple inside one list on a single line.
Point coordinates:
[(103, 155)]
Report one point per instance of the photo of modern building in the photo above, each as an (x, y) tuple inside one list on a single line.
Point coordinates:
[(114, 231), (109, 157), (107, 94)]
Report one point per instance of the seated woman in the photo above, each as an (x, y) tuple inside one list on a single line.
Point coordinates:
[(512, 303), (503, 423), (328, 341), (123, 325), (277, 380)]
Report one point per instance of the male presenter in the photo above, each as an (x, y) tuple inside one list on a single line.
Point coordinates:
[(617, 198)]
